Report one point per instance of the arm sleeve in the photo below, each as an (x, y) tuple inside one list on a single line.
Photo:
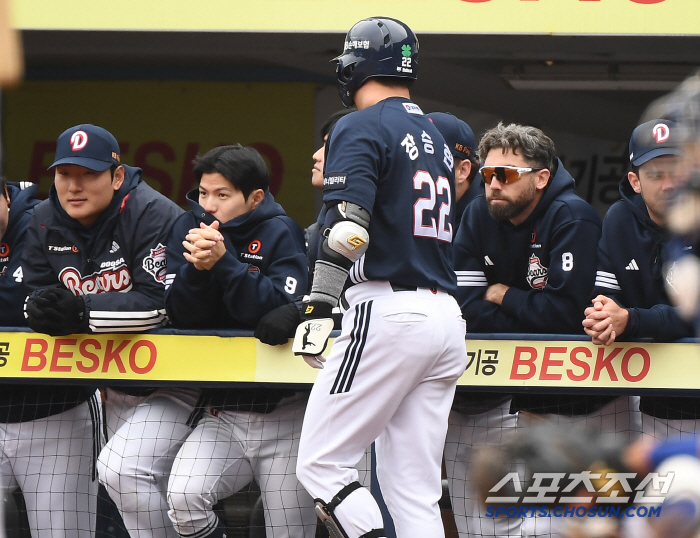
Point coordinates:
[(12, 290), (189, 293), (660, 322), (249, 295), (606, 282), (142, 307), (36, 268), (481, 316), (559, 307)]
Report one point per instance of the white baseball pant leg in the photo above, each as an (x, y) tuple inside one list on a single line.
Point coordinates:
[(51, 460), (226, 452), (466, 434), (620, 417), (390, 376), (135, 464)]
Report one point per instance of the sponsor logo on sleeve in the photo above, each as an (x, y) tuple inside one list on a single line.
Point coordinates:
[(335, 181)]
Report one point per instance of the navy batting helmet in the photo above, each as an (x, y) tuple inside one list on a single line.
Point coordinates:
[(376, 47)]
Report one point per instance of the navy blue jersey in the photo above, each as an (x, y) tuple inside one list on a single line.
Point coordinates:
[(391, 160), (12, 291), (631, 257)]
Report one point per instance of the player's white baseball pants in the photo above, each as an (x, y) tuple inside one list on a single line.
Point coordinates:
[(390, 376), (135, 464), (465, 434), (227, 451), (620, 417), (51, 461)]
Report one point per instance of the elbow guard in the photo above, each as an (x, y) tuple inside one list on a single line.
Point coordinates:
[(345, 234)]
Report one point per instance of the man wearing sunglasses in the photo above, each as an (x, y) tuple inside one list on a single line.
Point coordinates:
[(525, 259)]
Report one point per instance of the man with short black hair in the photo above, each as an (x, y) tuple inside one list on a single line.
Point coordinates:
[(95, 262), (243, 257)]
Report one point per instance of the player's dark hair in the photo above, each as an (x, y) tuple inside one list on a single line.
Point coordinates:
[(3, 187), (242, 166), (635, 170), (535, 146), (395, 82), (333, 119)]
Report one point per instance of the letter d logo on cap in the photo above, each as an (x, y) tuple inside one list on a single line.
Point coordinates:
[(78, 140), (661, 132)]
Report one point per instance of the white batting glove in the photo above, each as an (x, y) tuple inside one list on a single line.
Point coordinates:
[(312, 334)]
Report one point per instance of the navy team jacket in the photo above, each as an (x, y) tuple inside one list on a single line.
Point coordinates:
[(631, 271), (117, 264), (549, 264), (264, 267), (12, 292)]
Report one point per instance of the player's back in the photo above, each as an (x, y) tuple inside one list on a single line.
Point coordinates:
[(391, 160)]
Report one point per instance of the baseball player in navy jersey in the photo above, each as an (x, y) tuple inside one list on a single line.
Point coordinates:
[(391, 375), (630, 298), (95, 262), (477, 419), (231, 260), (47, 447)]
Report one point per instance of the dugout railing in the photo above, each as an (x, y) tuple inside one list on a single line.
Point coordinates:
[(509, 363)]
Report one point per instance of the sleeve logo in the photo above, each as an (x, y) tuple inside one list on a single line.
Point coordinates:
[(155, 263)]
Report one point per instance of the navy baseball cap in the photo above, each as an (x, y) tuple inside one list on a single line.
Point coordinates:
[(653, 139), (458, 135), (87, 145)]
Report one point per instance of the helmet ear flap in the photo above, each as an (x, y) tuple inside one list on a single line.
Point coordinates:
[(345, 74)]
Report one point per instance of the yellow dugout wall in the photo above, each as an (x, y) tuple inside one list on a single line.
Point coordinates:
[(617, 17), (512, 364), (162, 125)]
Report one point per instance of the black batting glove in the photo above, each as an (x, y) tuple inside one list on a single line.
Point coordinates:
[(55, 311), (278, 326)]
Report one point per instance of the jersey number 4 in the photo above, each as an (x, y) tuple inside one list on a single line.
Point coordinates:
[(432, 225)]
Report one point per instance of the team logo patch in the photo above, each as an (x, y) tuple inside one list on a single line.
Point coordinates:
[(412, 108), (661, 132), (4, 252), (253, 268), (78, 140), (536, 273), (154, 263), (254, 246), (670, 276), (105, 281), (335, 181)]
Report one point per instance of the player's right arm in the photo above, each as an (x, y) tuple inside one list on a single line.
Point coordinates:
[(481, 316), (661, 321)]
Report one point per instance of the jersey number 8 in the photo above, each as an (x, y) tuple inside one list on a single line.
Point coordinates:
[(442, 229)]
